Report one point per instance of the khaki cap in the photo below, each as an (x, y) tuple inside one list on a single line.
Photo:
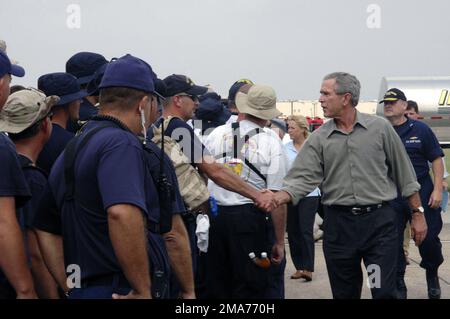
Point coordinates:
[(25, 108)]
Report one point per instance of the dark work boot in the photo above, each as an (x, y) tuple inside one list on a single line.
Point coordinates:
[(402, 292), (434, 289)]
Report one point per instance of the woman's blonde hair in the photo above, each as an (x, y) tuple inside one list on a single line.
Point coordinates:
[(301, 121)]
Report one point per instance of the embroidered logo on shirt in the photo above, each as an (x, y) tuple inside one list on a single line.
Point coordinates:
[(413, 139)]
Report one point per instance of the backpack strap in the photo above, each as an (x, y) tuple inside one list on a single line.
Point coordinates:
[(71, 151), (241, 141), (165, 193)]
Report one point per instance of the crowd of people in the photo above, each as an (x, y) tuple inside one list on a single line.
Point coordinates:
[(118, 184)]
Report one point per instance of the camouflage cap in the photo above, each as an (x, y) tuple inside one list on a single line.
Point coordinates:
[(25, 108), (3, 45)]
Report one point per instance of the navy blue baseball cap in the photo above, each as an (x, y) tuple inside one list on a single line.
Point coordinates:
[(393, 95), (177, 83), (212, 109), (62, 84), (6, 67), (210, 95), (131, 72), (83, 65), (235, 88)]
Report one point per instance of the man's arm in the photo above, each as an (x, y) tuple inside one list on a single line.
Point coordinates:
[(279, 223), (438, 172), (305, 174), (12, 251), (129, 241), (226, 179), (398, 160), (51, 246), (179, 251), (418, 222)]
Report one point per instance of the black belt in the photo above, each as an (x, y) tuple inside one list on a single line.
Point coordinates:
[(117, 280), (357, 210)]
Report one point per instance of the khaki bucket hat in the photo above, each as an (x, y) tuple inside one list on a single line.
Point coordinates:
[(260, 101), (25, 108)]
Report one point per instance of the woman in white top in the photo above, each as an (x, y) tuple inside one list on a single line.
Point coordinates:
[(300, 219)]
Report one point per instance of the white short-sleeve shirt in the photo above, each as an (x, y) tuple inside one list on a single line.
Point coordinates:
[(264, 151)]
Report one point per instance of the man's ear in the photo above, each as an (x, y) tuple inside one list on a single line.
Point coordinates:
[(348, 99), (177, 101), (46, 125), (145, 99)]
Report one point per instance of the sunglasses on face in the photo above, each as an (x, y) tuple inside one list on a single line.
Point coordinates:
[(192, 97)]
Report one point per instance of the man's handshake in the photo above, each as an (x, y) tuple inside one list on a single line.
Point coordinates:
[(268, 200)]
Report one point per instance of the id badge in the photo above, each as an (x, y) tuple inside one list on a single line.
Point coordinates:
[(235, 165)]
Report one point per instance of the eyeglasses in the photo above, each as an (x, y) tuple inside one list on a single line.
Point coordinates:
[(192, 97)]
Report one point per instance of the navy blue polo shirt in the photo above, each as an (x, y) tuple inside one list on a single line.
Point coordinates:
[(12, 180), (109, 170), (47, 216), (421, 145), (55, 145), (36, 180), (185, 136)]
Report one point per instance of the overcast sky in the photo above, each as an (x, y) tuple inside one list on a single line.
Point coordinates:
[(288, 44)]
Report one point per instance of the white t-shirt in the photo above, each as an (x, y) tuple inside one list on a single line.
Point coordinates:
[(264, 151)]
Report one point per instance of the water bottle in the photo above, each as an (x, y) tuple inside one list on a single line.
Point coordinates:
[(213, 206)]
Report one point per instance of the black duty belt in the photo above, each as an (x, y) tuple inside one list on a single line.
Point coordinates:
[(358, 210)]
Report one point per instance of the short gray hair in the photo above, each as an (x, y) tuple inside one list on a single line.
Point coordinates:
[(346, 83)]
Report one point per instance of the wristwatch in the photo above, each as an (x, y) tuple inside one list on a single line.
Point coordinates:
[(418, 210)]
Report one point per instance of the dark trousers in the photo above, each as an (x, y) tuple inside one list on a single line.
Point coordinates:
[(275, 288), (235, 232), (431, 248), (370, 237), (300, 225)]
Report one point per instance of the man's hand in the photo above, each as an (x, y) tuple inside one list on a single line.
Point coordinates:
[(282, 197), (133, 295), (418, 228), (435, 198), (265, 200), (277, 253)]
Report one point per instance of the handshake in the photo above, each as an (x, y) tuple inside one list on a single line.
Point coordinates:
[(268, 200)]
